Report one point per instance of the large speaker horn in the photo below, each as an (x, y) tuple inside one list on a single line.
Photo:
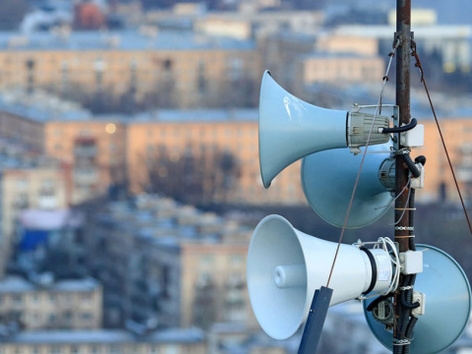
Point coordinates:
[(328, 179), (447, 305), (285, 266), (290, 129)]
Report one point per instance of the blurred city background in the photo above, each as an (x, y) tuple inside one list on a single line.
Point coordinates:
[(129, 172)]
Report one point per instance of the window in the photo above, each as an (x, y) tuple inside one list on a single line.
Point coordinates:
[(171, 349), (207, 260), (115, 349), (235, 69), (86, 316), (86, 297), (236, 260), (17, 299), (21, 185)]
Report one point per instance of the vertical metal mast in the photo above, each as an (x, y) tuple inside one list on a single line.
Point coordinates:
[(402, 219)]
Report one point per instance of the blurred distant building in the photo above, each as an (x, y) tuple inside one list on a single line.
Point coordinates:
[(187, 268), (341, 68), (93, 152), (27, 181), (64, 304), (45, 240), (186, 59), (450, 44), (202, 133), (175, 341), (99, 153), (147, 68)]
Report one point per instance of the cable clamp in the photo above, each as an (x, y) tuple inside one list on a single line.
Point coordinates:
[(403, 151), (401, 341), (408, 287), (405, 236), (404, 228)]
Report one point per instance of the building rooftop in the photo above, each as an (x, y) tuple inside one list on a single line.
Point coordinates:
[(198, 115), (15, 284), (119, 40), (180, 223), (172, 335), (41, 107)]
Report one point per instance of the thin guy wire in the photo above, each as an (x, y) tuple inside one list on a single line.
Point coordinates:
[(443, 142), (378, 109)]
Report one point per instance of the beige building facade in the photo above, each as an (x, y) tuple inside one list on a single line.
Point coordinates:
[(340, 69), (92, 151), (66, 304), (178, 341), (99, 152), (171, 69), (192, 68), (234, 132), (37, 183)]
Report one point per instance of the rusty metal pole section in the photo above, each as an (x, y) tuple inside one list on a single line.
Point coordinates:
[(402, 189)]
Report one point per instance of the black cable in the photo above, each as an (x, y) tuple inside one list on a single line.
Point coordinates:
[(403, 128), (421, 159), (409, 328), (411, 165)]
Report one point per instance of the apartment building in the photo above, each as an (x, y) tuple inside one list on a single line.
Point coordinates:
[(27, 181), (339, 68), (93, 152), (179, 69), (201, 133), (64, 304), (187, 267), (100, 341), (439, 182), (102, 151), (117, 150)]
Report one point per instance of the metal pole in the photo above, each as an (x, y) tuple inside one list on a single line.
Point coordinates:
[(402, 222)]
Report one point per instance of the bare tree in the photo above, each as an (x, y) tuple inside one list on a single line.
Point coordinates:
[(197, 178)]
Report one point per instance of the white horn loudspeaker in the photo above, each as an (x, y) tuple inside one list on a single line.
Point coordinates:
[(290, 129), (285, 266)]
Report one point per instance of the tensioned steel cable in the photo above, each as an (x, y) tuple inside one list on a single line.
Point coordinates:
[(377, 112), (443, 142)]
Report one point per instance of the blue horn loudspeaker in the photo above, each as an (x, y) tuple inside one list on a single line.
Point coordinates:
[(447, 305)]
